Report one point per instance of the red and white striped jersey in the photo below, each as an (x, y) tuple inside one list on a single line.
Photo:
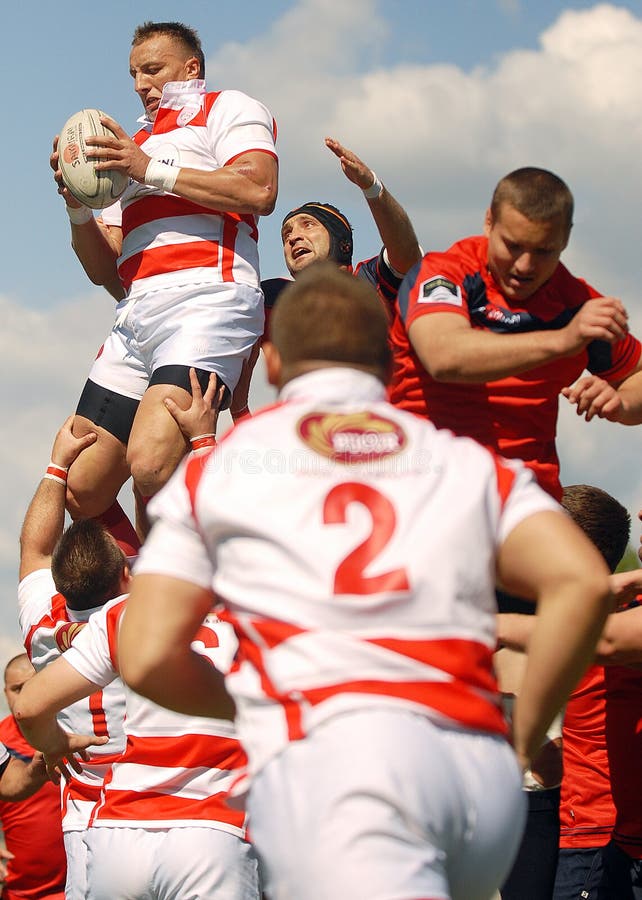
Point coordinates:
[(169, 241), (353, 547), (48, 629), (176, 770)]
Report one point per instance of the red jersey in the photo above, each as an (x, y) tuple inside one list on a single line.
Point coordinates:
[(515, 416), (33, 833), (602, 748)]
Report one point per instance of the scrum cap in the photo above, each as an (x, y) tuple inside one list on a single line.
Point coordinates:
[(335, 224)]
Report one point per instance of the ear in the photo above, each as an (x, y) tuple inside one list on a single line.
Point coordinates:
[(273, 364), (125, 579), (192, 68), (488, 222)]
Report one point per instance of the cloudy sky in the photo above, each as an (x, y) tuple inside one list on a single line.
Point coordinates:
[(441, 99)]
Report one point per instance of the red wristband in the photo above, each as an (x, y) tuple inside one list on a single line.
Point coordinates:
[(203, 441), (56, 473)]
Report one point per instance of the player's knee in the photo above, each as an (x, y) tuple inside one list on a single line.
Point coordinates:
[(150, 469)]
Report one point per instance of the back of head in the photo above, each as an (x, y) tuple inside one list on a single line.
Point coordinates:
[(184, 34), (329, 316), (87, 565), (601, 517), (537, 194)]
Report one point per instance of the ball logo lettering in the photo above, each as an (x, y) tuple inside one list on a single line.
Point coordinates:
[(91, 188)]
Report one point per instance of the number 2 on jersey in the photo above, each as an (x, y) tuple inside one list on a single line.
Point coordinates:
[(349, 577)]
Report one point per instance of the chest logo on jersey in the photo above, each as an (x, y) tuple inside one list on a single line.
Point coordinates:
[(65, 634), (440, 289), (351, 437)]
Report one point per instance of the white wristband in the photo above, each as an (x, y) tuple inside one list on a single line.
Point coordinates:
[(79, 215), (375, 190), (160, 175)]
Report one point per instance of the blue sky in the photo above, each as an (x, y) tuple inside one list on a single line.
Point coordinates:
[(441, 98)]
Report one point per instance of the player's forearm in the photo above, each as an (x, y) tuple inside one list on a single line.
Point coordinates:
[(21, 780), (98, 255), (630, 394), (237, 189), (470, 355), (514, 630), (396, 231), (42, 526), (569, 619)]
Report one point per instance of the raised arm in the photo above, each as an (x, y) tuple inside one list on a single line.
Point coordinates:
[(548, 558), (45, 517), (450, 349), (392, 221)]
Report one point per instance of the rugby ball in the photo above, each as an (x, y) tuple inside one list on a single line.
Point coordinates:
[(89, 187)]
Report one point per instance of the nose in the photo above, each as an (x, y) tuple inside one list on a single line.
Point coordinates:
[(141, 82), (525, 263)]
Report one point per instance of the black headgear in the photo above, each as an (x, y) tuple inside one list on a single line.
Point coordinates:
[(335, 224)]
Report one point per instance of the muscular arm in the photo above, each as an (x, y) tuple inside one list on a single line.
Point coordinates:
[(53, 688), (571, 589), (45, 517), (154, 648), (452, 350), (392, 221)]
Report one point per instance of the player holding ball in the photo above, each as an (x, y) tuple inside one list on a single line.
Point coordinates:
[(178, 251)]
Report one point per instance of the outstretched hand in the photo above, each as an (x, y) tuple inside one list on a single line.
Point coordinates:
[(593, 396), (202, 414), (354, 169), (67, 447)]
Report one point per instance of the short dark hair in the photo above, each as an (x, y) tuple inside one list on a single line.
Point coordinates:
[(329, 315), (538, 194), (601, 517), (187, 36), (87, 565)]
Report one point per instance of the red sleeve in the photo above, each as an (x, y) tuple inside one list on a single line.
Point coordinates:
[(433, 285)]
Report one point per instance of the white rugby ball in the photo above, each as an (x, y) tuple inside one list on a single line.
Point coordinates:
[(92, 188)]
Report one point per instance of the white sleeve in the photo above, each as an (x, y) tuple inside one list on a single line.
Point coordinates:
[(239, 124), (90, 652), (112, 215), (34, 598), (174, 546), (524, 499)]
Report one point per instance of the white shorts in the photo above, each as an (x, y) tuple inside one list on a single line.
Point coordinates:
[(76, 852), (386, 805), (186, 863), (211, 327)]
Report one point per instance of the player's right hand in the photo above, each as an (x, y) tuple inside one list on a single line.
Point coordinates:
[(67, 447), (599, 319), (68, 197)]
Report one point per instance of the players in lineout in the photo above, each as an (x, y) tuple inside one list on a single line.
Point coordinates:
[(365, 622)]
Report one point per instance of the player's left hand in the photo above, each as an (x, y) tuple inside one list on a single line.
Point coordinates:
[(119, 152), (65, 758), (595, 397), (201, 416), (354, 169)]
